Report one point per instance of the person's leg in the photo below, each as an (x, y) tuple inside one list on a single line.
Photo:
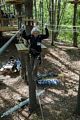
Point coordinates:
[(36, 66), (35, 62)]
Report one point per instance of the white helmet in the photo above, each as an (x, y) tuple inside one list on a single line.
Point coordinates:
[(35, 29)]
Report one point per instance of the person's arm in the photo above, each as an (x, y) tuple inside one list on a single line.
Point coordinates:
[(46, 35)]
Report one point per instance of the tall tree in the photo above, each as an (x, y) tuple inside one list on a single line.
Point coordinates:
[(35, 9), (53, 21), (41, 13), (32, 84), (58, 12), (19, 13), (29, 14), (74, 24)]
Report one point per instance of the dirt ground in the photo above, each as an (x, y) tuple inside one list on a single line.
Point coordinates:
[(56, 103)]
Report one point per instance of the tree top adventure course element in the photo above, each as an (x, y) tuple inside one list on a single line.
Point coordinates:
[(60, 21), (5, 46), (7, 19)]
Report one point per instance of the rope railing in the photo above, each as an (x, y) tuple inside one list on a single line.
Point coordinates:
[(63, 29)]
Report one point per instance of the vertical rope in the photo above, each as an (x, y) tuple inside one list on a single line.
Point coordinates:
[(41, 108)]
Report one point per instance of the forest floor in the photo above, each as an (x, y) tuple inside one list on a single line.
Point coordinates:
[(56, 103)]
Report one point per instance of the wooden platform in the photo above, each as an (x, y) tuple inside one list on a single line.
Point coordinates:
[(5, 29), (21, 47), (3, 19)]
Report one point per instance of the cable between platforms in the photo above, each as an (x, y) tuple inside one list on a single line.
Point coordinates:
[(5, 46)]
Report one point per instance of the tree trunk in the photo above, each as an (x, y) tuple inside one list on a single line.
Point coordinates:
[(29, 14), (41, 13), (52, 21), (58, 4), (49, 9), (32, 84), (35, 8), (74, 26), (19, 13), (58, 13)]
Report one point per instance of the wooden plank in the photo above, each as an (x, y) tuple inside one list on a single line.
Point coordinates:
[(12, 19), (21, 47), (8, 18), (4, 29), (29, 19)]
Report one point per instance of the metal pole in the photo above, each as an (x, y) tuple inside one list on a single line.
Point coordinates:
[(5, 46)]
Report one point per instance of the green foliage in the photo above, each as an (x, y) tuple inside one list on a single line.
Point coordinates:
[(67, 12)]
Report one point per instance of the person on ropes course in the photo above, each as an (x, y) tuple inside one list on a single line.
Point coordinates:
[(35, 39)]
